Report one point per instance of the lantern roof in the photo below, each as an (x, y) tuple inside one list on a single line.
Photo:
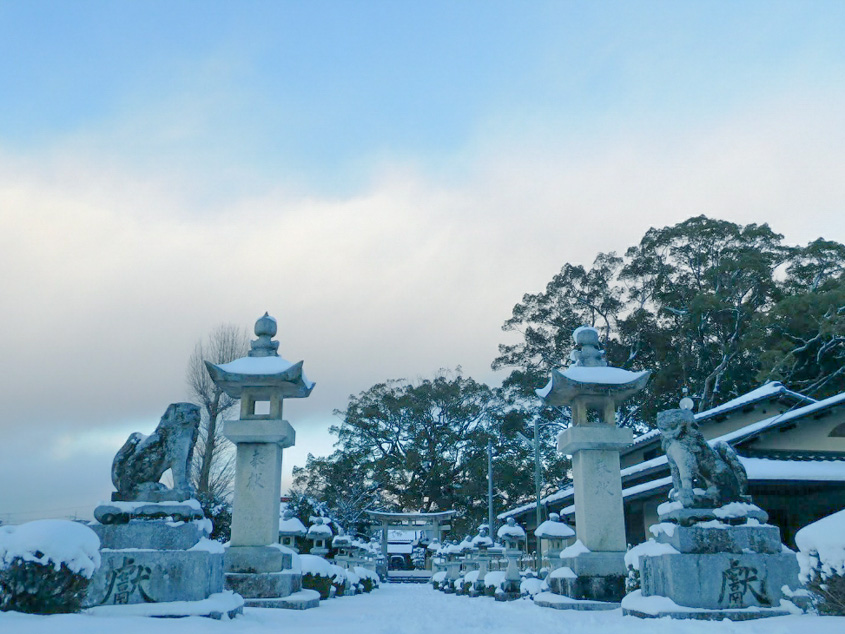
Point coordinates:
[(262, 369)]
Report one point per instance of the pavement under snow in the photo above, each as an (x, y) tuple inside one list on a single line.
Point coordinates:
[(411, 609)]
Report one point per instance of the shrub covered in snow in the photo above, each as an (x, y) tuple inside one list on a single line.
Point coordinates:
[(45, 566), (320, 575), (369, 579), (822, 562), (531, 586), (437, 578), (493, 581)]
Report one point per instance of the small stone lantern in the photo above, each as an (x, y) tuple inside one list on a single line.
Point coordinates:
[(554, 533), (319, 534), (482, 543), (289, 529), (343, 545), (512, 535)]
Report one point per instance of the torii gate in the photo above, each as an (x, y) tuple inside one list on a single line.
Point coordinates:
[(434, 523)]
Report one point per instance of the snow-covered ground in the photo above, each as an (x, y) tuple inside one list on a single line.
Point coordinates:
[(411, 609)]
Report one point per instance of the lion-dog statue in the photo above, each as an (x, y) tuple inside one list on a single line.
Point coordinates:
[(702, 476), (141, 462)]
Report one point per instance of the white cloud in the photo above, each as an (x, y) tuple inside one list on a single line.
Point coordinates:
[(111, 274)]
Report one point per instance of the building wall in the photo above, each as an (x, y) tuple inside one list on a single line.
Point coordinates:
[(810, 434)]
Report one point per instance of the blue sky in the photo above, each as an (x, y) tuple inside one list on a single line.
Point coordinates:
[(320, 92), (386, 178)]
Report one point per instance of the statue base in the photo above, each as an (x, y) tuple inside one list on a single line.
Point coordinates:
[(590, 576), (161, 563), (719, 571)]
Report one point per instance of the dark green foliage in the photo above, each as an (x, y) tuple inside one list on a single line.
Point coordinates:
[(27, 586), (700, 304), (220, 514), (321, 584), (420, 446), (368, 584)]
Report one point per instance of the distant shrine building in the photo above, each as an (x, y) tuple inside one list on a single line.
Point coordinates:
[(792, 446)]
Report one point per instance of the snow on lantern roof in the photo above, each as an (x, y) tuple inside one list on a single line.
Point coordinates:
[(589, 376), (511, 530), (553, 528), (290, 526), (318, 530), (263, 368)]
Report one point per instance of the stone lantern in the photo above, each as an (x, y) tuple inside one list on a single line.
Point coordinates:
[(260, 435), (289, 529), (319, 534), (554, 533), (589, 384), (482, 543), (342, 544), (453, 566), (512, 535)]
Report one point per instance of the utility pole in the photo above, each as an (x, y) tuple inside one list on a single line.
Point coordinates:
[(490, 488), (538, 476)]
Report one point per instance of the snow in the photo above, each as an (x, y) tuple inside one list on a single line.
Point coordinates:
[(768, 390), (437, 577), (319, 567), (656, 604), (53, 542), (129, 507), (551, 529), (574, 550), (822, 546), (735, 509), (494, 578), (480, 540), (292, 526), (221, 603), (663, 527), (649, 548), (511, 531), (564, 572), (668, 507), (257, 365), (320, 531), (533, 586), (410, 609), (209, 545), (601, 375), (471, 577)]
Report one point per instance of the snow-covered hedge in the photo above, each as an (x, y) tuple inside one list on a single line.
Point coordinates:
[(493, 581), (320, 575), (822, 562), (369, 579), (45, 566)]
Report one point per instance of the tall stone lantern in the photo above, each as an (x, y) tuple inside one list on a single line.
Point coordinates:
[(261, 380), (589, 384)]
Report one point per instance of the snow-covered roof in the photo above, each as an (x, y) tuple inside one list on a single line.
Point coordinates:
[(772, 389), (791, 468)]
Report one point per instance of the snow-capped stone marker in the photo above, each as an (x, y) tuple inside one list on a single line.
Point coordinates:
[(512, 535), (262, 376), (590, 384)]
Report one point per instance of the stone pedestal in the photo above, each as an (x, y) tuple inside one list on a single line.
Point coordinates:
[(255, 508), (720, 571), (161, 562), (597, 575), (512, 581)]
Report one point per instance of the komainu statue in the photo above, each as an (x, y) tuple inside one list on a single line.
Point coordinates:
[(140, 463), (702, 476)]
